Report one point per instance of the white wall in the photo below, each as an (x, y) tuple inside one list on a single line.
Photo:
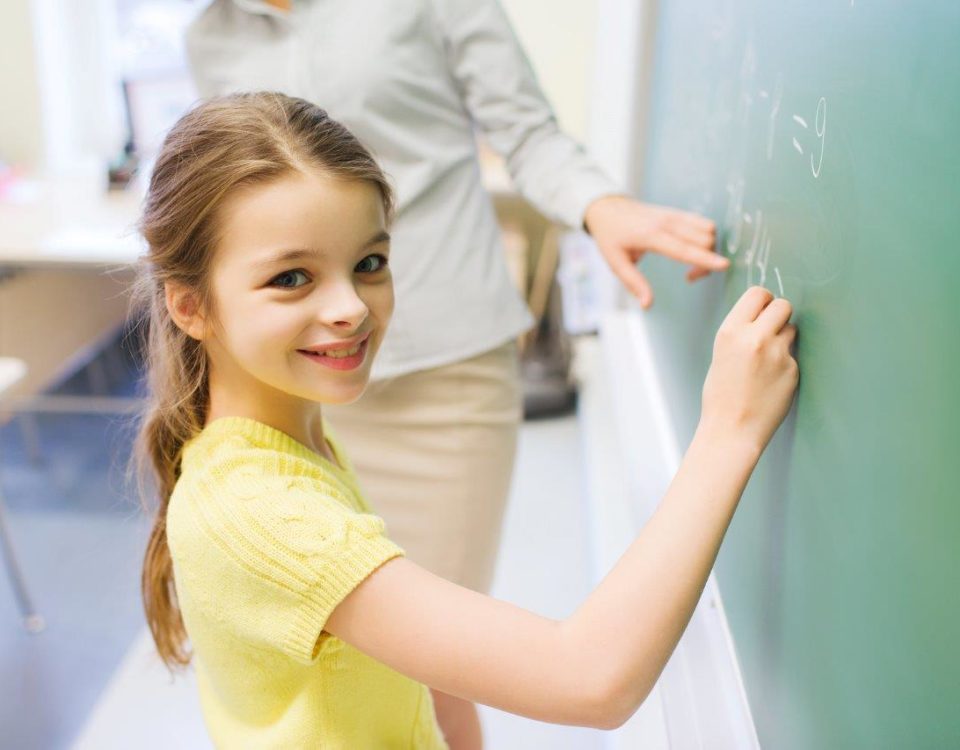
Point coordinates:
[(59, 105), (593, 59), (21, 125), (616, 132), (559, 38)]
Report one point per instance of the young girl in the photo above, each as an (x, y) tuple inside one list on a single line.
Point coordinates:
[(269, 290)]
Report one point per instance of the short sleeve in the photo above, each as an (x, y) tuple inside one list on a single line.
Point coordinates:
[(270, 560)]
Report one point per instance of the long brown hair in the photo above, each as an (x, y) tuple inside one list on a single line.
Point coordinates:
[(217, 147)]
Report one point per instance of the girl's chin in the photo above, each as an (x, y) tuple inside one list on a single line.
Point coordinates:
[(343, 394)]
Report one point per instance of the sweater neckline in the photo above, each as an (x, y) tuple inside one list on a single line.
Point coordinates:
[(270, 437)]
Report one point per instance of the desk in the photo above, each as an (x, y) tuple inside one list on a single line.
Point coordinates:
[(67, 250), (69, 223)]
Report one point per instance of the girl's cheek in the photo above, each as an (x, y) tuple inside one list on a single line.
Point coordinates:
[(379, 299), (278, 328)]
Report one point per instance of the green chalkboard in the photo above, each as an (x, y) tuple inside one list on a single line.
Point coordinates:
[(824, 139)]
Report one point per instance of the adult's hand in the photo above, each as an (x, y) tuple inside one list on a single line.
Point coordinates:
[(624, 229)]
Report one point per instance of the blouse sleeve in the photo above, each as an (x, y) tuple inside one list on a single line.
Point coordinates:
[(501, 93), (282, 555)]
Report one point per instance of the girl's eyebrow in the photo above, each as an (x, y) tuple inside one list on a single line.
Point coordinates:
[(287, 256), (298, 253), (381, 236)]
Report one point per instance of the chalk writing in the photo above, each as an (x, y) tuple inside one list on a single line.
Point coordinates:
[(821, 134)]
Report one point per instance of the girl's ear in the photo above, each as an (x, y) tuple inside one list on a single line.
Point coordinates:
[(185, 310)]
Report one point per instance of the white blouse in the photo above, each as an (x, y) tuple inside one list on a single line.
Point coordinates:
[(412, 79)]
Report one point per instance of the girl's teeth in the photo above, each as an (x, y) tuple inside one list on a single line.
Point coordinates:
[(342, 352)]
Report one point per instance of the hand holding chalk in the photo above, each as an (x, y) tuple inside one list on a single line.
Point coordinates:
[(753, 376)]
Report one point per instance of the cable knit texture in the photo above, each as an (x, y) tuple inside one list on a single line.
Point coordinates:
[(267, 537)]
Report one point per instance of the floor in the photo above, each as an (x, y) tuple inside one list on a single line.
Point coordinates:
[(544, 562), (79, 535), (91, 679)]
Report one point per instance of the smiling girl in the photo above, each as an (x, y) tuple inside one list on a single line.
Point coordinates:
[(268, 290)]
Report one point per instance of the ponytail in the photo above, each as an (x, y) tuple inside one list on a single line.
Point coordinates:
[(177, 381)]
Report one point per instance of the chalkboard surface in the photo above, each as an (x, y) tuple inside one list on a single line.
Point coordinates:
[(824, 138)]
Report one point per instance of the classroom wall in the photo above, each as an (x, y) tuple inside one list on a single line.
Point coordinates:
[(21, 122), (559, 39), (60, 107)]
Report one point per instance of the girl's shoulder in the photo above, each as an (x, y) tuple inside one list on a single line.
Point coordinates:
[(234, 470), (242, 510), (233, 448), (235, 476)]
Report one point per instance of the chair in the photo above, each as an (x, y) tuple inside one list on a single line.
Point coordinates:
[(11, 372)]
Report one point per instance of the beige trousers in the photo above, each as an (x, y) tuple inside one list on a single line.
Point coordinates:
[(434, 453)]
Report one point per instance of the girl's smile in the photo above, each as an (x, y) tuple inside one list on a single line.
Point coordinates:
[(343, 355)]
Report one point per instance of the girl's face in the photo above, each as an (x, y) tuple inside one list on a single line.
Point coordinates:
[(301, 290)]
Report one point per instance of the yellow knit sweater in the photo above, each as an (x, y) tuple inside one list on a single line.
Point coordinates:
[(267, 537)]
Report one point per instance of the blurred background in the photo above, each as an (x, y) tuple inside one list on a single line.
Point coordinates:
[(837, 623), (87, 91)]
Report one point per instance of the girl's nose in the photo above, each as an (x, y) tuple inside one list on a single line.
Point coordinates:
[(342, 307)]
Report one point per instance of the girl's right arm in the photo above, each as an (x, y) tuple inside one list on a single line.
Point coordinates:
[(596, 667)]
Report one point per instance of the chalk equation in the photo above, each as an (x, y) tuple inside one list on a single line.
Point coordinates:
[(774, 112), (756, 254), (820, 126), (748, 236)]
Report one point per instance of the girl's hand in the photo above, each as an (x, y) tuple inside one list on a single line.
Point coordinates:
[(624, 229), (751, 381)]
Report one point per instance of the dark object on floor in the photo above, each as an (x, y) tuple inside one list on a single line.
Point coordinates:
[(548, 388), (532, 243)]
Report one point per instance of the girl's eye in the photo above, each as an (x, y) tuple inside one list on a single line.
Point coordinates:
[(372, 264), (290, 279)]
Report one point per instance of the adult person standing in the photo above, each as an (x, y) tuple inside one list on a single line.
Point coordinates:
[(434, 437)]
